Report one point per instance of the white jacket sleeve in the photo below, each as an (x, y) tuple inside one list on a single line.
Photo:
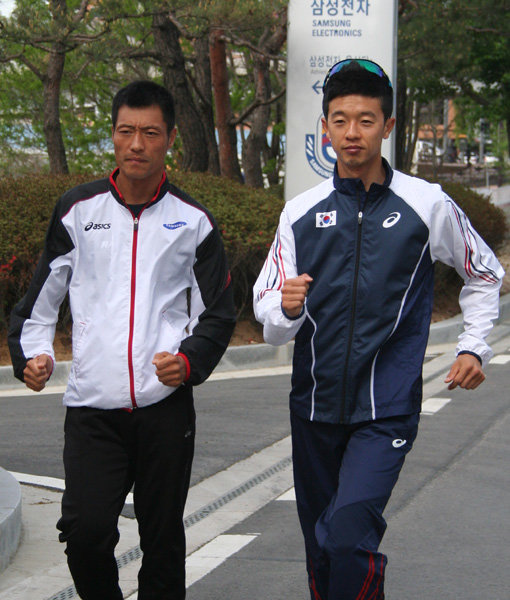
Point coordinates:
[(454, 242), (267, 296)]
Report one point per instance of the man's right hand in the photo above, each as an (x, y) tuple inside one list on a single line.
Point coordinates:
[(294, 292), (37, 372)]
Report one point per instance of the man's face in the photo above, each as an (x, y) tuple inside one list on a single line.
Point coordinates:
[(356, 128), (141, 141)]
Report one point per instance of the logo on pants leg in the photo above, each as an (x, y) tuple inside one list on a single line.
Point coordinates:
[(398, 443)]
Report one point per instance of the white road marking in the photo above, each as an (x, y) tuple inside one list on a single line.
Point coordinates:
[(500, 359), (247, 373), (39, 481), (288, 496), (433, 405), (209, 557), (51, 483)]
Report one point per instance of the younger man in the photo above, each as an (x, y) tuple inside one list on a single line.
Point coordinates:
[(153, 312), (350, 276)]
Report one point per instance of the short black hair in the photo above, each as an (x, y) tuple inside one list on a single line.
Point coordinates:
[(142, 94), (353, 79)]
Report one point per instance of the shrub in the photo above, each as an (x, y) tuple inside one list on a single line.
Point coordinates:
[(27, 204), (247, 218)]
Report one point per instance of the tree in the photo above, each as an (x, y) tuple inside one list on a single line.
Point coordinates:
[(256, 145), (220, 38), (172, 62), (438, 60), (199, 50), (39, 36)]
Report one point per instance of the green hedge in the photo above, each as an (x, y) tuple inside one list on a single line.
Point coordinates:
[(247, 218)]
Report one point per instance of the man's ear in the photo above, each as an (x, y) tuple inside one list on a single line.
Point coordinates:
[(171, 137), (325, 127), (388, 127)]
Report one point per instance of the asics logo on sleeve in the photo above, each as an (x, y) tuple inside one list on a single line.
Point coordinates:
[(391, 220), (91, 225), (398, 443)]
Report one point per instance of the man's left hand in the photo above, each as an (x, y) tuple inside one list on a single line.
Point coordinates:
[(466, 372), (170, 369)]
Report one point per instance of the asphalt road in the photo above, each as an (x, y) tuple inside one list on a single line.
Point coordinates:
[(448, 525)]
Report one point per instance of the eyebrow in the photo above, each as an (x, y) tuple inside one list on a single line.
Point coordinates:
[(365, 113), (144, 128)]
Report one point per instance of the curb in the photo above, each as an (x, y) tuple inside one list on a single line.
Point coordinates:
[(10, 517), (259, 356)]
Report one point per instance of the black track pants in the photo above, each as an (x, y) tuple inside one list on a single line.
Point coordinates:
[(105, 452)]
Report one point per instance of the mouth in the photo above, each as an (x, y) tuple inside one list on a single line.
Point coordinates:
[(352, 149), (136, 160)]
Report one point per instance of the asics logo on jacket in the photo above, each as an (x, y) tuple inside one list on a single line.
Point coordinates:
[(91, 225)]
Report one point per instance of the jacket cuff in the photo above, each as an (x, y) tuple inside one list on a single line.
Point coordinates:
[(472, 354), (293, 318), (188, 366)]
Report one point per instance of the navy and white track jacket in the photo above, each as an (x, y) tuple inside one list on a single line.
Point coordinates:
[(362, 336), (137, 286)]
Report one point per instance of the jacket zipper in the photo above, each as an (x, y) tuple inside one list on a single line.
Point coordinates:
[(353, 307), (132, 314), (133, 281)]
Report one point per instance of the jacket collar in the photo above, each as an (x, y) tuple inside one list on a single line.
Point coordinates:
[(353, 187), (163, 188)]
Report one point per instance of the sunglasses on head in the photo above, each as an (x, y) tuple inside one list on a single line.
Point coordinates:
[(368, 65)]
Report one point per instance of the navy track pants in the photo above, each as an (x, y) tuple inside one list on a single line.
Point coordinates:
[(344, 476), (105, 452)]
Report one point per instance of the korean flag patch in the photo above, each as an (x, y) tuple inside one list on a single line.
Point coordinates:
[(325, 219)]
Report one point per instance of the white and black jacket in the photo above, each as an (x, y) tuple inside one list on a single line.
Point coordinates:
[(137, 286), (361, 339)]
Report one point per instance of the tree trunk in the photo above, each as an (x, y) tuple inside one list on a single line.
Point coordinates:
[(51, 127), (256, 143), (205, 101), (274, 154), (229, 163), (166, 41)]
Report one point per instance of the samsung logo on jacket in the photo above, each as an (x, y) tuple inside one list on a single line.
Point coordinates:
[(360, 345)]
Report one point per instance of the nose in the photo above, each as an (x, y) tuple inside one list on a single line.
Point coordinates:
[(352, 130), (137, 141)]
